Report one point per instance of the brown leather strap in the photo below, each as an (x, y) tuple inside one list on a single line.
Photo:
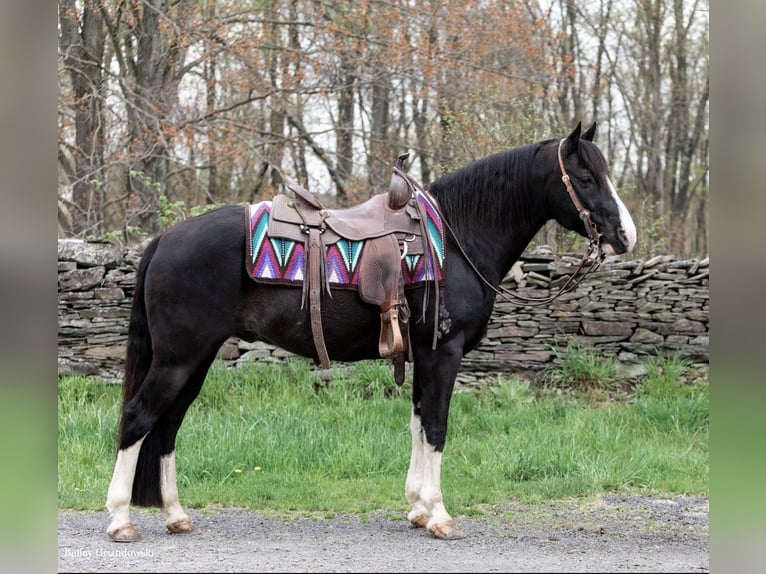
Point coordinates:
[(590, 227), (399, 361), (404, 327), (430, 253), (314, 277), (430, 262)]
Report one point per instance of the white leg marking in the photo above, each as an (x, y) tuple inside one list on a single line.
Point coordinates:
[(415, 473), (423, 487), (169, 489), (626, 221), (431, 493), (121, 487)]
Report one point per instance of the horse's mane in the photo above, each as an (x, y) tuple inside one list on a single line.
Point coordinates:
[(492, 190)]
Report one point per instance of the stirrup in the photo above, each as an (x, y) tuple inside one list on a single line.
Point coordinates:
[(390, 343)]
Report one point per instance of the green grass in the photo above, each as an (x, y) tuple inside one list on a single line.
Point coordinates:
[(580, 366), (274, 439)]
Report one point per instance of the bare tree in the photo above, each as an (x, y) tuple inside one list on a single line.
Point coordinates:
[(667, 108), (170, 106), (81, 47)]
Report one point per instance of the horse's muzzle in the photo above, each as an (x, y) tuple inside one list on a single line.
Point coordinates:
[(619, 245)]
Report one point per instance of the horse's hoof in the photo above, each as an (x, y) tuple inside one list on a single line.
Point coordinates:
[(448, 531), (185, 526), (125, 533), (420, 521)]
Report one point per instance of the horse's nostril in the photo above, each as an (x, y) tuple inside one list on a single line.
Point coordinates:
[(622, 235)]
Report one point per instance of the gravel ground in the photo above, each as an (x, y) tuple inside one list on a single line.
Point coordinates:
[(610, 534)]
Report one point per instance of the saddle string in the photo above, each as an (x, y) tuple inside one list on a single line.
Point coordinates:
[(323, 275)]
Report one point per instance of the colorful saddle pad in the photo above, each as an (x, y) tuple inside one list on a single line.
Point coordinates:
[(282, 261)]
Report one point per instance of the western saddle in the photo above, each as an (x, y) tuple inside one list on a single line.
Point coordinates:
[(391, 224)]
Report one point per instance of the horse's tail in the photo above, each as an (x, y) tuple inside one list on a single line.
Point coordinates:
[(146, 484)]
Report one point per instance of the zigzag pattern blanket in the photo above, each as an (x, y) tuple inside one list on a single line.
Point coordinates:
[(282, 261)]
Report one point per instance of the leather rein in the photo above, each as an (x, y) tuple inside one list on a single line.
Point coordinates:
[(594, 246)]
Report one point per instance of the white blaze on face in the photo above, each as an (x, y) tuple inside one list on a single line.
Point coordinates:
[(626, 221)]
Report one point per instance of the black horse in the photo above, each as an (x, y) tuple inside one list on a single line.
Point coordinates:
[(192, 293)]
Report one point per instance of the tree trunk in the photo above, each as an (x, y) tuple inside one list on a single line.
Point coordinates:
[(380, 157), (344, 140), (83, 52), (150, 86)]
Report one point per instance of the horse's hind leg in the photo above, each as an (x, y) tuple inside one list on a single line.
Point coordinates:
[(118, 496), (139, 466), (177, 521)]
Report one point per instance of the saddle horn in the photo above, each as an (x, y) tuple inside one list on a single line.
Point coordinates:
[(399, 191)]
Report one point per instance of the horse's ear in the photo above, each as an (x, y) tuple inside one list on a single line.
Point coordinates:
[(590, 133), (574, 137)]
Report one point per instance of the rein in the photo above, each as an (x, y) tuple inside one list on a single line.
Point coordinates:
[(594, 237)]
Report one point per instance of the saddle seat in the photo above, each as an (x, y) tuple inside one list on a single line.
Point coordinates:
[(390, 225), (368, 220)]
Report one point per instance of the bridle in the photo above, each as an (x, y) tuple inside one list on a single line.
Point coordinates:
[(594, 246), (590, 227)]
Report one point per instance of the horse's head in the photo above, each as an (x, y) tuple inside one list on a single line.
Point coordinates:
[(590, 195)]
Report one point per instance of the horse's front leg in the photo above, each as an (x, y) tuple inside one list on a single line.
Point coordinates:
[(433, 381)]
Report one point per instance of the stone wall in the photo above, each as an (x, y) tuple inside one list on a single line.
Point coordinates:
[(627, 309), (630, 310)]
